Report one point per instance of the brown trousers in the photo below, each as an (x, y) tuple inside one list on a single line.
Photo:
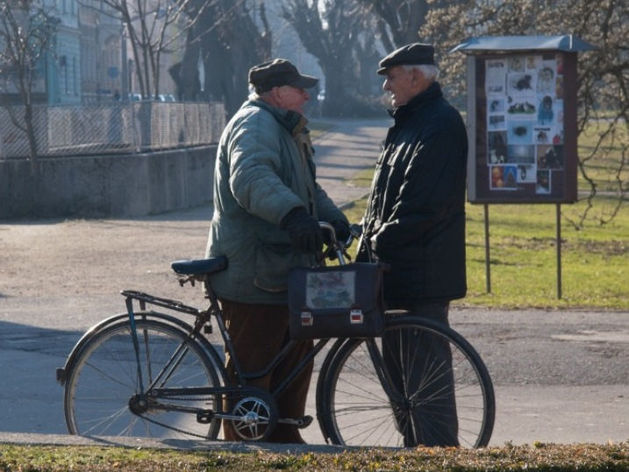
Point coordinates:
[(259, 332)]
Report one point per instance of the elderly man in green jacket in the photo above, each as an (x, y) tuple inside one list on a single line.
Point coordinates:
[(267, 205)]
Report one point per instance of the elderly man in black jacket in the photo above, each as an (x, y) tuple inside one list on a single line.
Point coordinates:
[(415, 222)]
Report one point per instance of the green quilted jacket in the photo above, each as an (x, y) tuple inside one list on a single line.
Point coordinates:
[(264, 169)]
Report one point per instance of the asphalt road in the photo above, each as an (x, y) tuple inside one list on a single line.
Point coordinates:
[(560, 377)]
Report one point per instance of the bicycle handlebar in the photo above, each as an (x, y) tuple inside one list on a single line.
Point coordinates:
[(337, 247)]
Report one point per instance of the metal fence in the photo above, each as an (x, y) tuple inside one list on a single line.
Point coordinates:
[(112, 128)]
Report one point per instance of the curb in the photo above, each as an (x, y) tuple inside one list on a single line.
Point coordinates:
[(177, 444)]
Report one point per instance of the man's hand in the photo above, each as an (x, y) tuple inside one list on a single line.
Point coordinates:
[(303, 229), (341, 228)]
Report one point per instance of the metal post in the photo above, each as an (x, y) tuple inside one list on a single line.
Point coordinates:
[(124, 73), (487, 260), (559, 251)]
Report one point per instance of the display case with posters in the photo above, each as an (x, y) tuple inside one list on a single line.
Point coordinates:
[(522, 118)]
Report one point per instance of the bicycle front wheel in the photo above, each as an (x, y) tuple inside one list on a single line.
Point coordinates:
[(420, 383), (103, 396)]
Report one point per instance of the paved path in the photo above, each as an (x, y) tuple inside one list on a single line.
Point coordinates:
[(560, 376), (345, 151)]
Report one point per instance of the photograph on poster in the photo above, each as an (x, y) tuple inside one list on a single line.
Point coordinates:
[(520, 132), (546, 81), (543, 182), (526, 174), (543, 134), (497, 145), (549, 157), (519, 85), (497, 105), (522, 109), (520, 154), (510, 177), (533, 62), (545, 113), (516, 64), (495, 71), (503, 177), (495, 122)]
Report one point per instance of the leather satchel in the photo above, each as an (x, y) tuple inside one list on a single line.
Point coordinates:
[(336, 302)]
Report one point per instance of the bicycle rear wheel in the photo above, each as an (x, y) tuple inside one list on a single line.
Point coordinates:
[(421, 383), (103, 383)]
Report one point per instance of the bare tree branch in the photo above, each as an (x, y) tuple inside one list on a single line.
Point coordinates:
[(26, 30)]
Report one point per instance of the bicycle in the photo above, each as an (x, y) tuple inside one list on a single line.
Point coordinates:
[(149, 373)]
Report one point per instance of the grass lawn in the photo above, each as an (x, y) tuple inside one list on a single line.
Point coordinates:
[(523, 255), (537, 457)]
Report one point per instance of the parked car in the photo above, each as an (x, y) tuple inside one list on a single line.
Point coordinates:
[(166, 97)]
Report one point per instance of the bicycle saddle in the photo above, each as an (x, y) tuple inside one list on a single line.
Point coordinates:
[(200, 266)]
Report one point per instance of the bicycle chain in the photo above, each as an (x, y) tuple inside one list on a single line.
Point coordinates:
[(150, 420), (159, 423), (173, 428)]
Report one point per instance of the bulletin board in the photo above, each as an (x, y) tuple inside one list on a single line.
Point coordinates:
[(522, 127)]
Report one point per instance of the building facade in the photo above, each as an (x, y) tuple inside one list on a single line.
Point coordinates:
[(101, 54), (63, 61)]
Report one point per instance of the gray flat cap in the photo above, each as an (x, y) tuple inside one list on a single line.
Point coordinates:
[(411, 54)]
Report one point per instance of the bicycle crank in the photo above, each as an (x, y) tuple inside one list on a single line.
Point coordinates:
[(253, 415)]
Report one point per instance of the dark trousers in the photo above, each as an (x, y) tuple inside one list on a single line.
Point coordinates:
[(259, 332), (420, 368)]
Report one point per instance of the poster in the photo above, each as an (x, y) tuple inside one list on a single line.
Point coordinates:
[(525, 121)]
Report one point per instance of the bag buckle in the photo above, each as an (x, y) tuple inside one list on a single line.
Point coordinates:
[(306, 318), (356, 316)]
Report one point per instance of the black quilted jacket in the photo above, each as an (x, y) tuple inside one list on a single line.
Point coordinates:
[(415, 217)]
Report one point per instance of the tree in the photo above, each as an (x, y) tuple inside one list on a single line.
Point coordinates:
[(336, 33), (399, 20), (603, 75), (227, 42), (153, 27), (26, 32)]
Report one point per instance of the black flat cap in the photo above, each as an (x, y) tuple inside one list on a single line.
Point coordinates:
[(411, 54), (276, 73)]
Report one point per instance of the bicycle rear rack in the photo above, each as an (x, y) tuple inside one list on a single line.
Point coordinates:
[(159, 301)]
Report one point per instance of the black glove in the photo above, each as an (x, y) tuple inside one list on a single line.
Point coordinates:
[(303, 229), (341, 228)]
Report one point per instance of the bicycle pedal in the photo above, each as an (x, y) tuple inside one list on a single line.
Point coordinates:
[(205, 416), (301, 423)]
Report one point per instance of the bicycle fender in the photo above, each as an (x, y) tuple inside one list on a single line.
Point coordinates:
[(62, 371)]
